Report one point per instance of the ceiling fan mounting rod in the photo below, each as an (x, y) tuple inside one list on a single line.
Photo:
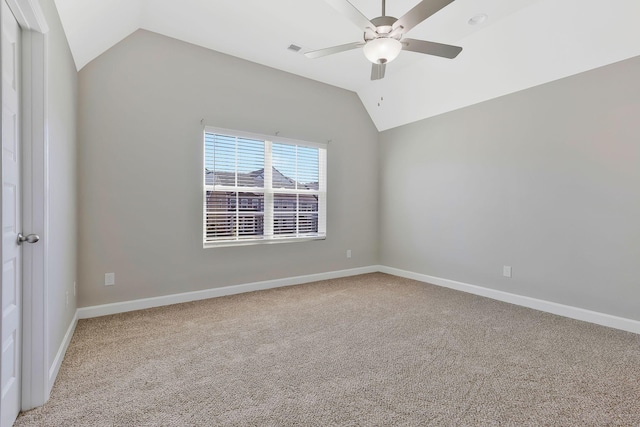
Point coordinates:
[(383, 7)]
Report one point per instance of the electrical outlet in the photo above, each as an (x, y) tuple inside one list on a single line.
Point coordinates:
[(109, 279), (506, 271), (348, 253)]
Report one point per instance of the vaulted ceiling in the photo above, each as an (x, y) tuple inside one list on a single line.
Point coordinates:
[(522, 43)]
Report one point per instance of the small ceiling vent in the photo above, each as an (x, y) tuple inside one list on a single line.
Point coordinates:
[(294, 48)]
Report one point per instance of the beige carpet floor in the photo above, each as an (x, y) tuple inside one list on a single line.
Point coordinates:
[(371, 350)]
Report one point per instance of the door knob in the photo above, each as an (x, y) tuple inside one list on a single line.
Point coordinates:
[(30, 238)]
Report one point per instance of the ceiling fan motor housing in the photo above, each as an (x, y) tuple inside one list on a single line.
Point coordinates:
[(384, 26)]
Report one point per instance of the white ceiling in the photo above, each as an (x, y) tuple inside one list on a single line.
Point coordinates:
[(523, 43)]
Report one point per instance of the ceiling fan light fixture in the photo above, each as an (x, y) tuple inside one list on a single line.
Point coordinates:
[(382, 50)]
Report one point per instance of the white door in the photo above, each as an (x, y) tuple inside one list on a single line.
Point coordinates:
[(11, 202)]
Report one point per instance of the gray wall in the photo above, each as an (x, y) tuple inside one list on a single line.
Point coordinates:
[(62, 98), (546, 180), (140, 169)]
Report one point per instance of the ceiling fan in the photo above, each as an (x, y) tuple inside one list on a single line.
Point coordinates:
[(383, 36)]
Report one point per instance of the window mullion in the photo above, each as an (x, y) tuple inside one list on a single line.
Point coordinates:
[(322, 192), (297, 214), (297, 194), (236, 165), (237, 214), (268, 190)]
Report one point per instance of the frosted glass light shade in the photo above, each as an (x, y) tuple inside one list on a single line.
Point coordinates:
[(382, 50)]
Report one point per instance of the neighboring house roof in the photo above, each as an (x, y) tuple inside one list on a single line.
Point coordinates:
[(255, 179)]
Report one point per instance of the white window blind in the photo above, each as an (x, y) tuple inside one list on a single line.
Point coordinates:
[(262, 190)]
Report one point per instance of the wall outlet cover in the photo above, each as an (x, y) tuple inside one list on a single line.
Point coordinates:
[(109, 279), (506, 271)]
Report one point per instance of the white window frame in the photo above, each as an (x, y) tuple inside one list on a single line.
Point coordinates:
[(268, 191)]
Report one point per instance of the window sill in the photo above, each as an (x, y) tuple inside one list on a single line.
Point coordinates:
[(265, 241)]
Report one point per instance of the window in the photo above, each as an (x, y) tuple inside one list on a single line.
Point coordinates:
[(259, 189)]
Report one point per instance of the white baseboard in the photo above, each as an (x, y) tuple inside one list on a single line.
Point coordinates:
[(577, 313), (141, 304), (537, 304), (603, 319), (57, 362)]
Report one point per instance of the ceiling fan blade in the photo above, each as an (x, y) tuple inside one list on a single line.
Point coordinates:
[(350, 11), (431, 48), (377, 71), (419, 13), (331, 50)]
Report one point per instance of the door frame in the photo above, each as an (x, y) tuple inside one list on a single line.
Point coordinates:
[(36, 379)]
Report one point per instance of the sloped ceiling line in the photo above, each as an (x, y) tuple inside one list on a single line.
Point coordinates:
[(523, 43)]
